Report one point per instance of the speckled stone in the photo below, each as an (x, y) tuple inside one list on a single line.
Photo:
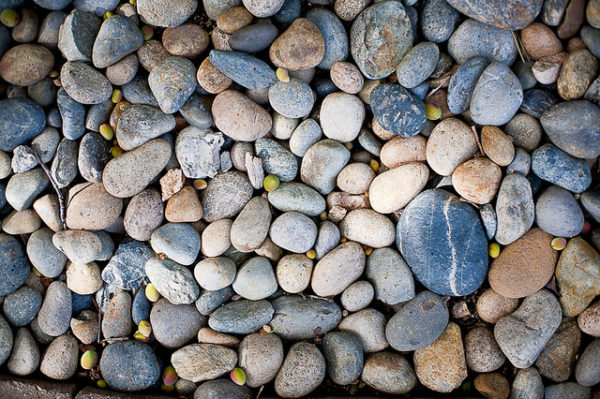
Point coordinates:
[(162, 273), (120, 366), (297, 318), (334, 35), (302, 371), (244, 69), (462, 83), (241, 317), (556, 166), (514, 208), (118, 37), (201, 362), (387, 101), (20, 120), (438, 20), (512, 15)]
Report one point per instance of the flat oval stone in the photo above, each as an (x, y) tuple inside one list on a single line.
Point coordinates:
[(164, 273), (84, 84), (389, 372), (195, 113), (297, 197), (325, 152), (558, 213), (303, 370), (334, 35), (200, 362), (43, 255), (573, 127), (391, 276), (532, 256), (120, 366), (292, 99), (276, 159), (557, 361), (261, 356), (215, 273), (59, 361), (438, 19), (263, 9), (418, 323), (94, 154), (338, 269), (240, 118), (434, 214), (587, 372), (293, 231), (118, 37), (342, 116), (511, 15), (297, 318), (20, 121), (244, 69), (91, 207), (130, 173), (300, 47), (253, 38), (241, 317), (139, 124), (368, 227), (178, 241), (377, 55), (477, 180), (462, 83), (497, 95), (175, 325), (388, 101), (450, 144), (167, 13), (395, 188), (171, 73), (26, 64), (482, 352), (576, 74), (25, 356), (369, 325), (493, 43), (417, 65), (523, 334), (255, 280), (515, 209), (343, 356), (218, 388), (251, 227), (21, 307), (225, 196), (77, 34), (55, 314)]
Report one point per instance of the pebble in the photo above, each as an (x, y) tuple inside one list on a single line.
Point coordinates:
[(492, 385), (302, 371), (85, 327), (493, 44), (84, 84), (343, 356), (166, 13), (334, 35), (355, 178), (567, 390), (139, 124), (438, 20), (401, 150), (276, 160), (83, 279), (297, 197), (552, 13), (59, 361), (369, 325), (255, 279), (477, 180), (216, 238), (589, 320), (557, 360), (577, 72), (497, 145), (211, 300), (556, 166), (514, 208), (26, 64), (292, 99), (357, 296), (450, 144), (304, 34), (251, 227), (293, 231), (201, 362), (211, 79), (527, 384), (79, 246), (187, 40), (525, 131), (417, 228), (175, 325), (21, 307), (172, 72), (293, 272), (23, 188), (298, 318), (342, 116), (162, 273), (244, 69), (378, 56), (391, 277), (462, 83), (178, 241), (116, 321), (417, 65), (221, 388), (118, 37), (43, 255), (325, 152), (523, 334), (338, 269), (347, 77), (77, 34), (482, 352), (91, 207), (184, 206), (241, 317), (120, 366), (441, 366), (389, 372), (261, 357), (254, 38), (25, 356), (209, 336), (587, 372), (367, 227), (126, 268), (251, 121), (31, 121), (558, 213), (514, 15), (225, 196), (92, 157), (195, 113), (540, 41), (386, 102)]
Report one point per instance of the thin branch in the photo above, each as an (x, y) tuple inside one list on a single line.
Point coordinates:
[(514, 35), (61, 198), (432, 92), (476, 136), (260, 391)]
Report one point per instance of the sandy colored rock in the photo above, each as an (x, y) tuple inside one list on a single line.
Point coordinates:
[(216, 238), (21, 222), (491, 306), (380, 131), (233, 19), (347, 77), (239, 117), (477, 180), (492, 385), (91, 207), (524, 266), (207, 335), (401, 150), (394, 189), (497, 145), (540, 41), (184, 206), (546, 70), (188, 40), (300, 47), (355, 178), (578, 71), (211, 79), (83, 279), (589, 320), (451, 143)]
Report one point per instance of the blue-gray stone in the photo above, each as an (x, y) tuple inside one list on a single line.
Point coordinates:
[(21, 306), (139, 124), (77, 34), (593, 92), (98, 114), (84, 83), (244, 69), (56, 311), (508, 14), (289, 12), (208, 301), (377, 55), (297, 197), (558, 213), (397, 110), (24, 188), (118, 37), (552, 13), (129, 366), (222, 389), (462, 83), (98, 7), (172, 82), (94, 154), (574, 127), (418, 323), (525, 74), (126, 268), (567, 390), (488, 218), (306, 134), (369, 141), (11, 4), (420, 90), (475, 39), (443, 242), (297, 318), (73, 115), (591, 38), (178, 241), (438, 20), (536, 101), (254, 38), (54, 119), (14, 267), (214, 8), (52, 4), (418, 64), (175, 325), (590, 200), (323, 85), (292, 99), (6, 340), (64, 166), (241, 317), (413, 16), (497, 95), (43, 92), (391, 277), (80, 302), (20, 121), (43, 255), (343, 354), (195, 113), (334, 35), (276, 159), (2, 195), (140, 308), (138, 92), (557, 167)]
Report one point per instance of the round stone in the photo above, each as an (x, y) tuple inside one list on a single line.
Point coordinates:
[(395, 188), (342, 116), (477, 180), (175, 325), (389, 372), (294, 232), (338, 269), (255, 279), (120, 366)]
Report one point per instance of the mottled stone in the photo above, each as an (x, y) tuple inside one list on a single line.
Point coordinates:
[(172, 82), (201, 362), (512, 15), (492, 43), (514, 208), (120, 366), (297, 318), (300, 47), (302, 371), (338, 269), (163, 273), (462, 83)]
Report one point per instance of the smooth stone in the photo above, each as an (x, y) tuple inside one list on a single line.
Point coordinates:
[(408, 179), (168, 13), (477, 180), (531, 255), (417, 65), (240, 118), (187, 40), (140, 307), (241, 317), (77, 34), (220, 388), (244, 69), (292, 99), (556, 166), (587, 372), (43, 255), (276, 160), (357, 296), (325, 152), (369, 325), (116, 320), (216, 238), (491, 306), (576, 74), (401, 150), (299, 318), (334, 35), (83, 279), (97, 7), (293, 272), (225, 196), (138, 92), (342, 116), (551, 14), (450, 144), (21, 307), (261, 357), (47, 207), (214, 8), (59, 361), (386, 102), (20, 120), (355, 178), (91, 207), (197, 151), (25, 356), (513, 15), (590, 201), (126, 268), (418, 323), (139, 124), (536, 101), (64, 166), (523, 334), (201, 362), (438, 20), (557, 360), (557, 212), (293, 231), (343, 356), (117, 38), (577, 276), (417, 228), (492, 385), (483, 354), (263, 9), (172, 72), (175, 325), (441, 366), (493, 44), (94, 154), (572, 127), (527, 385), (569, 390), (80, 246), (378, 56), (26, 64), (591, 38), (302, 371), (84, 84), (255, 279), (23, 188), (514, 208), (6, 340), (251, 227), (207, 335), (389, 372), (130, 173), (368, 227), (338, 269), (162, 273), (301, 46), (208, 301), (462, 83), (297, 197), (178, 241), (327, 239), (253, 38), (540, 41), (55, 314), (120, 366), (391, 276), (497, 145)]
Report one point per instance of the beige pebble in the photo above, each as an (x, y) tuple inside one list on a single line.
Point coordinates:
[(209, 336), (21, 222), (492, 306), (83, 279), (211, 79), (184, 206), (216, 238), (540, 41), (497, 145), (451, 143), (233, 19), (547, 69), (394, 189), (347, 77), (477, 180), (355, 178), (401, 150), (300, 47), (239, 117), (187, 40)]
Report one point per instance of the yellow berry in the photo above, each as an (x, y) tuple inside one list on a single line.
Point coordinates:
[(151, 293), (116, 151), (238, 376), (117, 96), (271, 183), (267, 328), (148, 32), (282, 74), (374, 165), (312, 254), (106, 131), (349, 145), (167, 388), (368, 251), (494, 250), (199, 184), (432, 112), (101, 384), (133, 2), (107, 15), (559, 243), (53, 74), (36, 272), (343, 240), (145, 328), (323, 215), (88, 360), (138, 336), (9, 18)]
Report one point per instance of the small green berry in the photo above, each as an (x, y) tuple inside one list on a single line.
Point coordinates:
[(494, 250), (9, 18), (199, 184), (238, 376), (138, 336), (169, 375), (271, 183), (117, 96), (101, 384), (148, 32), (167, 388), (88, 360), (107, 15), (106, 131), (432, 112), (559, 243), (151, 293), (374, 165), (311, 254), (145, 328), (116, 151)]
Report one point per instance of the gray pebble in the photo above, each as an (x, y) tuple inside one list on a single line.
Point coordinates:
[(126, 268), (22, 306), (492, 43), (208, 300), (175, 325), (139, 124), (556, 166), (294, 232), (222, 388), (369, 325), (527, 385), (462, 83), (178, 241), (514, 208), (172, 72), (438, 19), (6, 340), (59, 362), (521, 163), (94, 154), (276, 160), (162, 273), (260, 356), (325, 152), (55, 314), (302, 371), (304, 136), (72, 114), (418, 64), (25, 356), (587, 372), (225, 196), (23, 188), (343, 355), (558, 213), (116, 320), (357, 296), (84, 84), (255, 279), (77, 34), (64, 165), (297, 318), (241, 317), (391, 276)]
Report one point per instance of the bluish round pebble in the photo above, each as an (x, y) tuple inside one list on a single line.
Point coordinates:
[(129, 366), (22, 306)]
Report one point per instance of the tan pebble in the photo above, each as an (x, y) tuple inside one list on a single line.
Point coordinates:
[(209, 336), (151, 54), (269, 250), (589, 320), (347, 201), (401, 150), (497, 145), (477, 180), (368, 87), (216, 238), (184, 206), (546, 70), (47, 208), (482, 351), (575, 43), (492, 386), (347, 10), (239, 117), (211, 79), (83, 279), (395, 188), (355, 178), (300, 47), (220, 40), (578, 71), (347, 77), (381, 132), (233, 19), (21, 222), (451, 143), (187, 40), (91, 207), (540, 41)]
